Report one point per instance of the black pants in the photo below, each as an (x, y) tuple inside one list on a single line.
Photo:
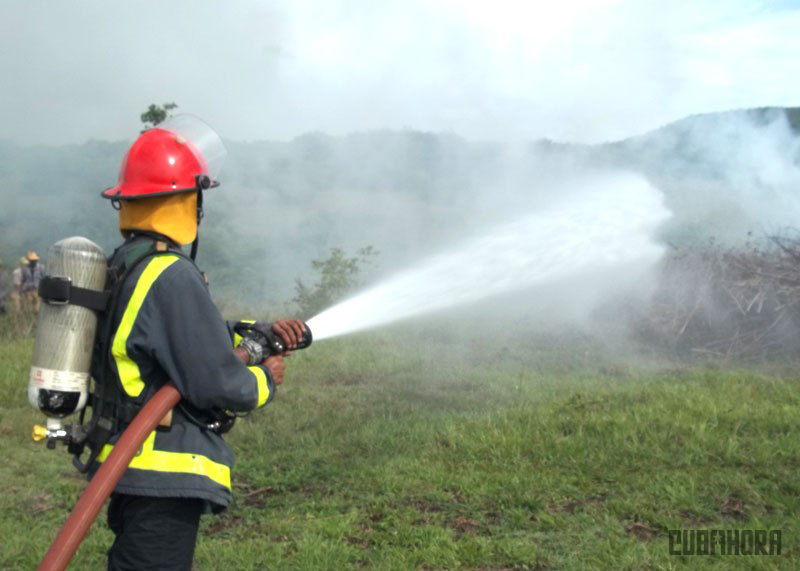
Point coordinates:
[(152, 533)]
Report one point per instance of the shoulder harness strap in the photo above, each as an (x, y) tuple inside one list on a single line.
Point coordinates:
[(110, 407)]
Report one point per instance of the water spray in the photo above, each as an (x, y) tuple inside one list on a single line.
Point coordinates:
[(607, 225)]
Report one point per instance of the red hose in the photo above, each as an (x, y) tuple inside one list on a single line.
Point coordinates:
[(105, 480)]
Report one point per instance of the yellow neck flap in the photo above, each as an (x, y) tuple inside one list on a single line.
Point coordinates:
[(174, 216)]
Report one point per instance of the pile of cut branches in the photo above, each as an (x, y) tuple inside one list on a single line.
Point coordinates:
[(729, 303)]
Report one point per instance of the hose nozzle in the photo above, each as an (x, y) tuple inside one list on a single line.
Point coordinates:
[(276, 346), (271, 343)]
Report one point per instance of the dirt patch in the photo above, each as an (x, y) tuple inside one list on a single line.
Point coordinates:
[(694, 521), (429, 510), (733, 508), (224, 523), (361, 542), (258, 498), (41, 504), (463, 524), (642, 531), (362, 539), (457, 497)]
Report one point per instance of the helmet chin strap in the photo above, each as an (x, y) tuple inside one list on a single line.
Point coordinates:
[(196, 243)]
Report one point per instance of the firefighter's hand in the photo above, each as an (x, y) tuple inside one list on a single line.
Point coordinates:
[(290, 330), (276, 367)]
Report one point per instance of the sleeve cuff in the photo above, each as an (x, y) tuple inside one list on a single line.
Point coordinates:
[(231, 330), (265, 384)]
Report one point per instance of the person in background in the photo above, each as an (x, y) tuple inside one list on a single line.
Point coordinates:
[(31, 276)]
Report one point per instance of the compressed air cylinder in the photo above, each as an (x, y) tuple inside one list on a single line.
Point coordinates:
[(62, 355)]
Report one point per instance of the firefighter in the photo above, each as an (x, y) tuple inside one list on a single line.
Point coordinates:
[(31, 275), (163, 326)]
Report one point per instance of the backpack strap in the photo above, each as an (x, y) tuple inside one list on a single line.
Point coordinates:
[(111, 408), (57, 290)]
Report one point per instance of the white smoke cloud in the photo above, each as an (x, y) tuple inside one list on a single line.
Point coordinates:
[(603, 229), (582, 70)]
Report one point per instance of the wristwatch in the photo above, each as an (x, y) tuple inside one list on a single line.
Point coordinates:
[(255, 353)]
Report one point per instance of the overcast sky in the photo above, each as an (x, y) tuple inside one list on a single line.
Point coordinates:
[(579, 70)]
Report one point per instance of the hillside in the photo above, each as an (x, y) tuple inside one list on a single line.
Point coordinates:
[(407, 193)]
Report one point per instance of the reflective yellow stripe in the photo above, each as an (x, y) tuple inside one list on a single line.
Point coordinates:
[(128, 370), (174, 462), (263, 387), (238, 338)]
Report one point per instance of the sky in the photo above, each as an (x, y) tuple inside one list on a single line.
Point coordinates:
[(571, 70)]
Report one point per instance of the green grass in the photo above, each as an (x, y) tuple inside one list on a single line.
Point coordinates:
[(431, 453)]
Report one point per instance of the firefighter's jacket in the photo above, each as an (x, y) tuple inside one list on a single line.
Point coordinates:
[(166, 327)]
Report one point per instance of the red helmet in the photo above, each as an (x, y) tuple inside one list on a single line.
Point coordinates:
[(165, 161)]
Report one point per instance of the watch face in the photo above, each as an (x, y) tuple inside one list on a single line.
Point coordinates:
[(253, 348)]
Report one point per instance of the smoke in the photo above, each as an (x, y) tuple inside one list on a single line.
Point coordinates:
[(726, 176), (416, 127), (412, 195), (605, 226), (576, 70)]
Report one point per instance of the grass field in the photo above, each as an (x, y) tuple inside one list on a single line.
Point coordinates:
[(396, 451)]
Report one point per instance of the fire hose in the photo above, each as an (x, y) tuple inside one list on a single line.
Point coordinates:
[(111, 470), (105, 480)]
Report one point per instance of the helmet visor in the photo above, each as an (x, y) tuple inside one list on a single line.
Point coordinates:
[(203, 137)]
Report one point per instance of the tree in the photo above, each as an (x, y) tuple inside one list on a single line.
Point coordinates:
[(155, 114), (338, 276)]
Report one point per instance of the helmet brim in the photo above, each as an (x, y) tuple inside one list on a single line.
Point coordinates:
[(129, 192)]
